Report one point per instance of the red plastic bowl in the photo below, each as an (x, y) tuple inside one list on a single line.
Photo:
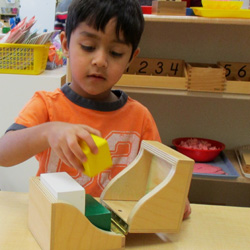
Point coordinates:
[(199, 155)]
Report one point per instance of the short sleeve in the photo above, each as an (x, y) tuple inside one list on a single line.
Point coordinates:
[(34, 112)]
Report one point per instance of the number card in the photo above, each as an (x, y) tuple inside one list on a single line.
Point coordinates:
[(156, 67), (236, 70)]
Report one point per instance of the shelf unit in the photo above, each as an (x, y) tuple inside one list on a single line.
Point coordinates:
[(180, 113), (151, 20), (196, 19), (7, 13), (229, 192), (6, 17), (202, 40)]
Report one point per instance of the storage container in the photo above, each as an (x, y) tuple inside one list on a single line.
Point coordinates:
[(24, 59), (205, 77)]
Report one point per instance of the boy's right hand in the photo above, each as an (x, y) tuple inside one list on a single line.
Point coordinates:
[(64, 139)]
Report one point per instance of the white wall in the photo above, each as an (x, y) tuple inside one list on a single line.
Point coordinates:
[(43, 10), (246, 4)]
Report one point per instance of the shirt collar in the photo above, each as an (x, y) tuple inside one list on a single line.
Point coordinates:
[(92, 104)]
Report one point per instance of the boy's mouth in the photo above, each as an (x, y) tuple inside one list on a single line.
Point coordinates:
[(97, 76)]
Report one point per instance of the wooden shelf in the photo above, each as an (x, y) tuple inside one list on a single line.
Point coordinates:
[(169, 86), (158, 91), (218, 191), (196, 19), (8, 14)]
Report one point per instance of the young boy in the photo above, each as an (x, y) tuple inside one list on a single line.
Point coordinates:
[(101, 40)]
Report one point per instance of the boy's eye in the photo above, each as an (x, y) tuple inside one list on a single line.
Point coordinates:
[(87, 48), (116, 54)]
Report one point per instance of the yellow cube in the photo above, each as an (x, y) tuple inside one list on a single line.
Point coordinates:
[(99, 162)]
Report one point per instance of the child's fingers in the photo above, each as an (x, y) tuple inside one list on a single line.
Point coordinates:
[(61, 155), (75, 150), (64, 140), (187, 210), (92, 130), (85, 136), (73, 160), (64, 152)]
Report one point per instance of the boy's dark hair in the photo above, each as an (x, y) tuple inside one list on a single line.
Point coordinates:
[(97, 13)]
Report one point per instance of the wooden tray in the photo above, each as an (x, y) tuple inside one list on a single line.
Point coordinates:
[(238, 77), (149, 81), (225, 164), (237, 87)]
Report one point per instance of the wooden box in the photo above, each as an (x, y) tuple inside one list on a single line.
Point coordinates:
[(205, 77), (237, 87), (155, 73), (237, 77), (153, 203), (169, 8), (156, 67), (57, 225), (152, 82)]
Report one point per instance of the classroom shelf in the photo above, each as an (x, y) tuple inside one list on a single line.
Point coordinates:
[(158, 91), (230, 192), (196, 19), (173, 86)]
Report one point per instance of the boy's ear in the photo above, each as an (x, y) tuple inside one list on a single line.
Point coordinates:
[(136, 53), (64, 44)]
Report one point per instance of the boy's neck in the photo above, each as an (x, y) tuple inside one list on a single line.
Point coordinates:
[(110, 98)]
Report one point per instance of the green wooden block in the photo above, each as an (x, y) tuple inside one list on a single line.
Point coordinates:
[(97, 214)]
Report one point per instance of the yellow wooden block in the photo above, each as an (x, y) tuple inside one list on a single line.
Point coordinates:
[(96, 163)]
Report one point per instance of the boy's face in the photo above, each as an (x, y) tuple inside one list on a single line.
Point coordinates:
[(97, 59)]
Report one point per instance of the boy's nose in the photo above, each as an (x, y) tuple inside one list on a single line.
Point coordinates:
[(100, 59)]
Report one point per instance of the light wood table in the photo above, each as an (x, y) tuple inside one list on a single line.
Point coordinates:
[(209, 227)]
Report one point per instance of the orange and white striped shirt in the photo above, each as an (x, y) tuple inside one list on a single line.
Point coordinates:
[(123, 123)]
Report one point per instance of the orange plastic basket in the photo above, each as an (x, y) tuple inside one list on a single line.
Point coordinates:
[(24, 59)]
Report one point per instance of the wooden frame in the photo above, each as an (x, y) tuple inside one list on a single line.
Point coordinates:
[(68, 73), (148, 198)]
